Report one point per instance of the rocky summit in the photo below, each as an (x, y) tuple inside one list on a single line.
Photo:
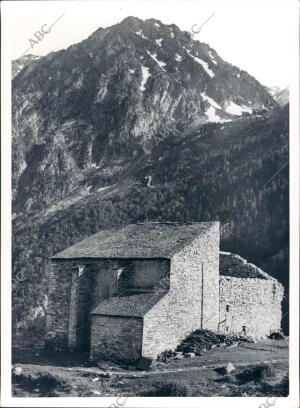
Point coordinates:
[(103, 101)]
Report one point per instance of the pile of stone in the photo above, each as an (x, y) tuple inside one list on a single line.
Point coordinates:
[(201, 341)]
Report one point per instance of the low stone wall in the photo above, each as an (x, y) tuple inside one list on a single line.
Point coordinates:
[(250, 306), (116, 339)]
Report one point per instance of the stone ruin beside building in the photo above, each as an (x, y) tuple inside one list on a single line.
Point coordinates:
[(136, 291)]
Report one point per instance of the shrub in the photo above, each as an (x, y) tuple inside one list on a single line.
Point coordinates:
[(280, 389), (166, 355), (47, 383), (173, 388), (276, 336), (257, 373)]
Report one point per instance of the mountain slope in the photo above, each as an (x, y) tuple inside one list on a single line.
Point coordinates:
[(218, 172), (19, 64), (103, 101)]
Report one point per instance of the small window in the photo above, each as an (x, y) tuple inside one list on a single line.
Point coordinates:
[(244, 329), (227, 308), (227, 328)]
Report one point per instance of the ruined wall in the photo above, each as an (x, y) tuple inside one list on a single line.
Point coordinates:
[(180, 311), (116, 338), (236, 266), (250, 300)]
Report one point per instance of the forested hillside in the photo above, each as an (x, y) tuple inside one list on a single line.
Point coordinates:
[(227, 172)]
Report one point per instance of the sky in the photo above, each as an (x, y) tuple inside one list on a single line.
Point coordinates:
[(255, 36)]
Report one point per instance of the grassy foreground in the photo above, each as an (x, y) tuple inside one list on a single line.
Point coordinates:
[(261, 369)]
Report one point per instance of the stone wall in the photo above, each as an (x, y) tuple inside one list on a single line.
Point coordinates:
[(58, 309), (75, 287), (147, 273), (193, 299), (116, 338), (250, 306), (78, 286)]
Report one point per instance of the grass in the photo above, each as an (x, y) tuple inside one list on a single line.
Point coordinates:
[(174, 388), (71, 375), (46, 384), (257, 373)]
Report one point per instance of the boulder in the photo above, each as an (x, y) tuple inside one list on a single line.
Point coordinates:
[(232, 345), (18, 370), (190, 355), (230, 367)]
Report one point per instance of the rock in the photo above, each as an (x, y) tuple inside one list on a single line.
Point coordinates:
[(97, 392), (190, 355), (230, 367), (232, 345), (213, 346), (106, 375), (222, 345), (96, 379), (18, 370)]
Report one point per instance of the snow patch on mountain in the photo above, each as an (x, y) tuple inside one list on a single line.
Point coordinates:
[(159, 41), (159, 63), (212, 58), (211, 101), (145, 76), (237, 110), (202, 63), (178, 57), (141, 34), (211, 114)]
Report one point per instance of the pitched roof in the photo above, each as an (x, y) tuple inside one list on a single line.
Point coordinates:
[(131, 306), (145, 240)]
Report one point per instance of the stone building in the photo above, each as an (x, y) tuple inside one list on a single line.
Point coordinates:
[(139, 290)]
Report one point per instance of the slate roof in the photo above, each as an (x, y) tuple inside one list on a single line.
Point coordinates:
[(131, 306), (144, 240)]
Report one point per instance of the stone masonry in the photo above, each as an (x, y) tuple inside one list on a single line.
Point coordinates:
[(250, 299), (139, 290)]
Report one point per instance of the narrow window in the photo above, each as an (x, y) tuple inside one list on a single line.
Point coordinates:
[(244, 329), (227, 308)]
